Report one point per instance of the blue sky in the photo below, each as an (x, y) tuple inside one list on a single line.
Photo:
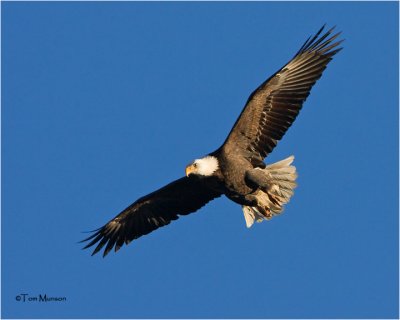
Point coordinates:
[(105, 102)]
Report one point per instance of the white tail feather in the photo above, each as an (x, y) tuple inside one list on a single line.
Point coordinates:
[(251, 214), (281, 178)]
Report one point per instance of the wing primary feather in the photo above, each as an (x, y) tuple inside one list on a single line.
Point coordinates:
[(100, 245), (315, 45), (110, 244), (331, 53), (324, 44), (120, 242), (309, 69), (305, 61), (302, 47), (97, 236), (91, 237), (310, 41)]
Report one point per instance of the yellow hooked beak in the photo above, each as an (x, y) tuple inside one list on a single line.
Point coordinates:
[(190, 169)]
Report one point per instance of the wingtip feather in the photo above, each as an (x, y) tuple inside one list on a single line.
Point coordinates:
[(316, 43)]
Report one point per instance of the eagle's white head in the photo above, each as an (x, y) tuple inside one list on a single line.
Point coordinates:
[(203, 167)]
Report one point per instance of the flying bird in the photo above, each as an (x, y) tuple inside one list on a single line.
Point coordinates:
[(236, 169)]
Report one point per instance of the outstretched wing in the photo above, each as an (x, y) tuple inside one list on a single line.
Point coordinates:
[(151, 212), (275, 104)]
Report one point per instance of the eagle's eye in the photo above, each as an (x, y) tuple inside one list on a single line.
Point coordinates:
[(195, 165)]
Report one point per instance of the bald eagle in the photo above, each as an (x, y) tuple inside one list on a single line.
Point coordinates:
[(236, 169)]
